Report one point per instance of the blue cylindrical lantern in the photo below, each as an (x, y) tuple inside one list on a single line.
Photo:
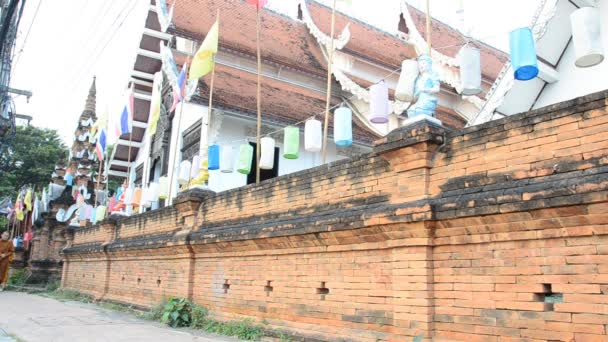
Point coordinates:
[(69, 179), (523, 54), (343, 126), (214, 157)]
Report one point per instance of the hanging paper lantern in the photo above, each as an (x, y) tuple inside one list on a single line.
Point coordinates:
[(586, 36), (407, 80), (313, 136), (69, 179), (100, 213), (137, 197), (129, 196), (196, 167), (145, 197), (343, 126), (163, 187), (93, 217), (184, 172), (82, 213), (470, 70), (378, 103), (267, 153), (291, 142), (243, 164), (153, 192), (227, 159), (214, 157), (88, 212), (523, 54)]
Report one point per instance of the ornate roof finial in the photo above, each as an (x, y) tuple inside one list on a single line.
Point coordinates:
[(89, 107)]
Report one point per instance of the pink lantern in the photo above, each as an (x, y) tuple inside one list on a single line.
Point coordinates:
[(378, 103)]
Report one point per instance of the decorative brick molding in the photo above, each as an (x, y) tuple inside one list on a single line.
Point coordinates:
[(498, 232)]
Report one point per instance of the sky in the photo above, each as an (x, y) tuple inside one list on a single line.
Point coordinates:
[(62, 44)]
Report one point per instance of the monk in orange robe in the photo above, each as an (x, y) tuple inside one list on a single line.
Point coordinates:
[(7, 253)]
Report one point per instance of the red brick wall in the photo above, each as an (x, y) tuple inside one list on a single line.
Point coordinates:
[(493, 233)]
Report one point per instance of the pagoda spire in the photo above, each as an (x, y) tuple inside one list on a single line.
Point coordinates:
[(89, 107)]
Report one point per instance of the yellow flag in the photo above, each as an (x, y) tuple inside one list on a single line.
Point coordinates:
[(102, 122), (155, 103), (202, 64), (28, 200), (18, 208)]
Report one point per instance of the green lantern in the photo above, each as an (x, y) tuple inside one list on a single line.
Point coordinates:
[(243, 164), (291, 142)]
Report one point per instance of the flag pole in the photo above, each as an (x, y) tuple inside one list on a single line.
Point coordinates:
[(259, 98), (179, 124), (428, 26), (204, 142), (130, 143), (329, 73), (98, 181)]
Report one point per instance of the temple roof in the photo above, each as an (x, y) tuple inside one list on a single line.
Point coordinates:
[(288, 42)]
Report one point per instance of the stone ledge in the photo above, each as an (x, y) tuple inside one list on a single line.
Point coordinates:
[(419, 132), (583, 103)]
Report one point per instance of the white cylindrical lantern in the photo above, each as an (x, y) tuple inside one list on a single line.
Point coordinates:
[(227, 159), (343, 126), (470, 70), (378, 103), (154, 192), (129, 195), (407, 80), (145, 197), (195, 167), (586, 36), (313, 136), (184, 172), (267, 153)]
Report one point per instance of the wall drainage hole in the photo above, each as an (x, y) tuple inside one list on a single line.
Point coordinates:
[(322, 290), (268, 288)]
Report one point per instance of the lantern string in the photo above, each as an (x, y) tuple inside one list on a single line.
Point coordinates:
[(343, 102), (469, 39)]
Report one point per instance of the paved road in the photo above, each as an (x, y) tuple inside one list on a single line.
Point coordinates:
[(33, 318)]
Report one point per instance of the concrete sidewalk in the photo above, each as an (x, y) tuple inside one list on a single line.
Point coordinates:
[(33, 318)]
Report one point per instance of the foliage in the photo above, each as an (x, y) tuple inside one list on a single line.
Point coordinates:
[(30, 159), (53, 285), (18, 278), (198, 316), (177, 312), (69, 296), (244, 330), (156, 313), (3, 223)]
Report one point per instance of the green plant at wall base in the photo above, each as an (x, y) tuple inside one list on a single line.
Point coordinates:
[(18, 278), (198, 316), (244, 330), (176, 312)]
